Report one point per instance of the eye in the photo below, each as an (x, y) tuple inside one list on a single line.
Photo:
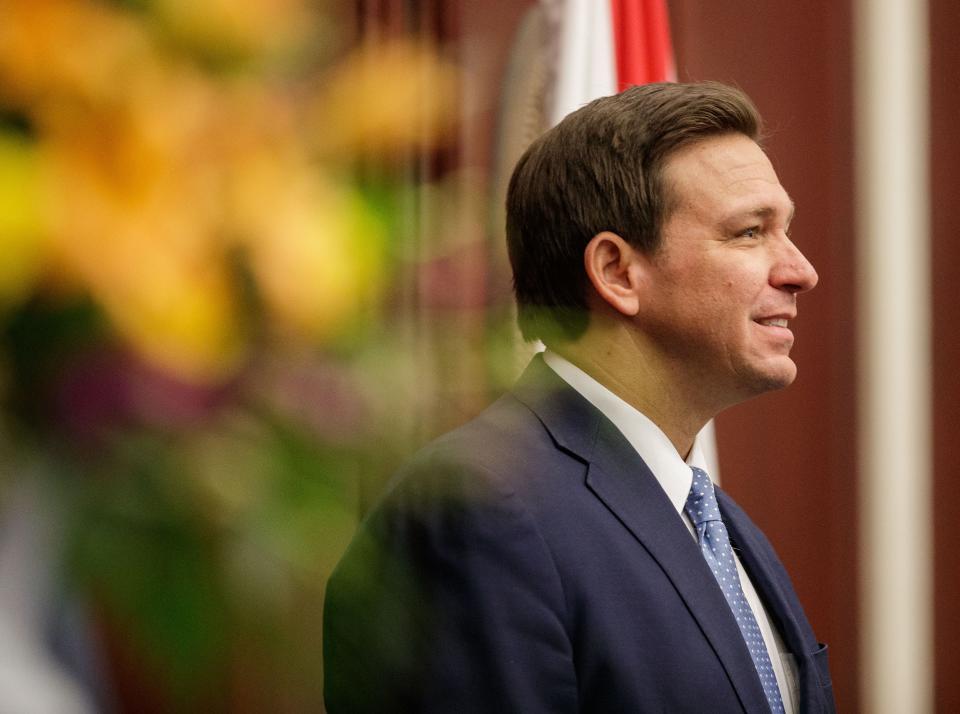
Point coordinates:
[(751, 232)]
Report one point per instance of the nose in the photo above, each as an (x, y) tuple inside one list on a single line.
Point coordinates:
[(792, 271)]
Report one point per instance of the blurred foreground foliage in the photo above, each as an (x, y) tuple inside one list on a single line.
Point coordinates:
[(204, 208)]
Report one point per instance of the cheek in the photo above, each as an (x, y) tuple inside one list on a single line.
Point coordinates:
[(741, 288)]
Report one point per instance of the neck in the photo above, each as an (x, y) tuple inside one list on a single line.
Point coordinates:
[(633, 371)]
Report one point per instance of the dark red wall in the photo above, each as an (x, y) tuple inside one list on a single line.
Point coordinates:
[(945, 187)]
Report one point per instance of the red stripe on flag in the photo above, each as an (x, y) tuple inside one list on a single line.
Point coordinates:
[(641, 30)]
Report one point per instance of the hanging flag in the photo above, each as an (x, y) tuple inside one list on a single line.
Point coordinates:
[(641, 32), (604, 46)]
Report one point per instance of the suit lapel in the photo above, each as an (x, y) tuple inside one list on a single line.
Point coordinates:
[(621, 480), (761, 572), (771, 583)]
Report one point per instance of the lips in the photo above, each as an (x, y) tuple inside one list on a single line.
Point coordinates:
[(776, 319)]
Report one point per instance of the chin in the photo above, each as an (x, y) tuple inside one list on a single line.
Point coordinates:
[(772, 376)]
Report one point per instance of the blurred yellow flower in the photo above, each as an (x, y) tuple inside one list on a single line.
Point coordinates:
[(184, 322), (236, 29), (61, 54), (174, 305), (135, 207), (318, 256), (386, 98), (21, 230), (153, 169)]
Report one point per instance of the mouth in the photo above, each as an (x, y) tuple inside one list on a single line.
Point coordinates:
[(776, 328)]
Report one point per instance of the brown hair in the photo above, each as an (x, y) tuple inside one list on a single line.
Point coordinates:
[(600, 169)]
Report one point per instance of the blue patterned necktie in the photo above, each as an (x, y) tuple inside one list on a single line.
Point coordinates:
[(703, 510)]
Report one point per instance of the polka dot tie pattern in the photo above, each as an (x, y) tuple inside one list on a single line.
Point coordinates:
[(703, 510)]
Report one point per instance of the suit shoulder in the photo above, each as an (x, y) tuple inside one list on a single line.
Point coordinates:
[(433, 584), (505, 449)]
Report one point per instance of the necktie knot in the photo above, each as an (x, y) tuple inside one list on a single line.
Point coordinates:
[(701, 503)]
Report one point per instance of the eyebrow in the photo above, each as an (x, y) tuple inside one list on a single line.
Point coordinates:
[(766, 212)]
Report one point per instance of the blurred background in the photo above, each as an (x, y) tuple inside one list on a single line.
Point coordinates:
[(251, 256)]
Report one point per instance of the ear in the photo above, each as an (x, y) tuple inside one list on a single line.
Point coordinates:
[(613, 268)]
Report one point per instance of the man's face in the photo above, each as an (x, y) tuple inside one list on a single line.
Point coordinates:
[(723, 285)]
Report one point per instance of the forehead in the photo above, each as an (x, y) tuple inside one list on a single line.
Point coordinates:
[(723, 175)]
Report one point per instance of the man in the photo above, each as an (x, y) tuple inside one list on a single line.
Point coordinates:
[(565, 551)]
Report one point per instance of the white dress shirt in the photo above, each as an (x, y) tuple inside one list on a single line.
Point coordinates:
[(675, 476)]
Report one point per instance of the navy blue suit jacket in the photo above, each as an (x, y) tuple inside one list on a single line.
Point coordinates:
[(530, 562)]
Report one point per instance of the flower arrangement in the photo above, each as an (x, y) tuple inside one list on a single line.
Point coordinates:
[(203, 216)]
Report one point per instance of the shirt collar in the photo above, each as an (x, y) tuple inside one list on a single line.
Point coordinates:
[(649, 441)]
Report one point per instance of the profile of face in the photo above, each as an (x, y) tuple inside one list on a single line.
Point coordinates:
[(724, 284)]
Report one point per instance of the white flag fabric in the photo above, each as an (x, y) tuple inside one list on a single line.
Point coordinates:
[(585, 62)]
